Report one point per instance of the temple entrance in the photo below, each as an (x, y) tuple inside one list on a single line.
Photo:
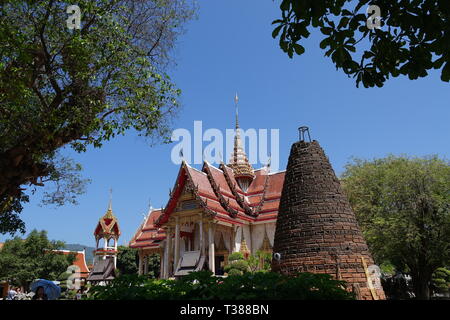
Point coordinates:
[(219, 264)]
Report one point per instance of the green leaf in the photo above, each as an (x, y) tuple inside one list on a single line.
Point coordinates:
[(276, 31), (299, 49), (445, 75)]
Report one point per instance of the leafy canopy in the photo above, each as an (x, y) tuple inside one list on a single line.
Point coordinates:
[(403, 207), (77, 88), (414, 36), (24, 260)]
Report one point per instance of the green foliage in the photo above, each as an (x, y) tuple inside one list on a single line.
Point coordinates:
[(235, 256), (79, 88), (387, 268), (24, 260), (127, 260), (403, 207), (238, 265), (260, 262), (441, 280), (414, 36), (203, 286)]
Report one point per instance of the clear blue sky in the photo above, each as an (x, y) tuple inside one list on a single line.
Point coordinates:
[(228, 49)]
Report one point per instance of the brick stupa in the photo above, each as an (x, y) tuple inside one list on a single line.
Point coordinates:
[(316, 229)]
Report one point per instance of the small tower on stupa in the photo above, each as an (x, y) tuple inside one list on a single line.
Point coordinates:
[(243, 171), (316, 229), (107, 230)]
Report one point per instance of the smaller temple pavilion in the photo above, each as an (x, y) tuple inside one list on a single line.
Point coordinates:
[(106, 235), (148, 239), (211, 213)]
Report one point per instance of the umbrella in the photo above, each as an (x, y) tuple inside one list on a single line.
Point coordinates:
[(51, 289)]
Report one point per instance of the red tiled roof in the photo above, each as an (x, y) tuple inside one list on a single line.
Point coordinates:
[(218, 192), (148, 234), (80, 260)]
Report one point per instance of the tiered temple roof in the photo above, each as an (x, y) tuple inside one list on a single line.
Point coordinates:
[(148, 235), (107, 226), (235, 193), (218, 192)]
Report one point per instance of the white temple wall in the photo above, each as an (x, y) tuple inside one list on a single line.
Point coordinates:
[(258, 231), (237, 239), (270, 229)]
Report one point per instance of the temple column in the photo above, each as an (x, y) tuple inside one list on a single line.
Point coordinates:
[(166, 257), (115, 254), (161, 264), (211, 248), (201, 235), (170, 250), (177, 244), (146, 264), (141, 263), (105, 247)]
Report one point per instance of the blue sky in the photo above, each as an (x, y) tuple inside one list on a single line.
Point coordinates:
[(228, 49)]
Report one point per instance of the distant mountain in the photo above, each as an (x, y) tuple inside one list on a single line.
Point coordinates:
[(80, 247)]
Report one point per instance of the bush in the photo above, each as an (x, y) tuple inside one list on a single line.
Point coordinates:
[(203, 286), (441, 280)]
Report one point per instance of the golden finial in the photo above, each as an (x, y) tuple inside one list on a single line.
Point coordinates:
[(236, 100)]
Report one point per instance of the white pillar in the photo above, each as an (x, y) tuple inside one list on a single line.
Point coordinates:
[(105, 247), (169, 244), (161, 264), (140, 264), (146, 264), (177, 244), (201, 235), (166, 260), (211, 248)]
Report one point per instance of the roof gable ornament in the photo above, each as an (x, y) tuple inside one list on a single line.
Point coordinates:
[(108, 224)]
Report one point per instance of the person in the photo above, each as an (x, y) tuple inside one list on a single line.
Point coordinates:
[(78, 295), (40, 294), (11, 294)]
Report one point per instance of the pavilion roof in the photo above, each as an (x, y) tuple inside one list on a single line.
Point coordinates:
[(80, 260), (148, 235)]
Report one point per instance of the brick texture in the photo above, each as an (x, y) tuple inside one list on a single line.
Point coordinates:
[(316, 228)]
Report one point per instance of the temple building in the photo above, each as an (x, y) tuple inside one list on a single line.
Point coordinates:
[(106, 233), (211, 213), (301, 215)]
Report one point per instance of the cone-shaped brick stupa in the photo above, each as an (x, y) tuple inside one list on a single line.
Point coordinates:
[(316, 229)]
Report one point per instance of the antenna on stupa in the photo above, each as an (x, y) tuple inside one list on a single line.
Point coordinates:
[(303, 132)]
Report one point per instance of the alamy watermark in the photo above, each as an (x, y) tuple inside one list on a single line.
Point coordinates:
[(74, 19), (74, 280), (374, 20), (190, 147)]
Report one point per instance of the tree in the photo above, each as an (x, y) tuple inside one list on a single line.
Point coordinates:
[(128, 262), (80, 87), (414, 36), (24, 260), (403, 207), (237, 265)]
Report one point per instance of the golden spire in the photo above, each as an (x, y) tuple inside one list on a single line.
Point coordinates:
[(244, 249), (109, 213), (243, 171)]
